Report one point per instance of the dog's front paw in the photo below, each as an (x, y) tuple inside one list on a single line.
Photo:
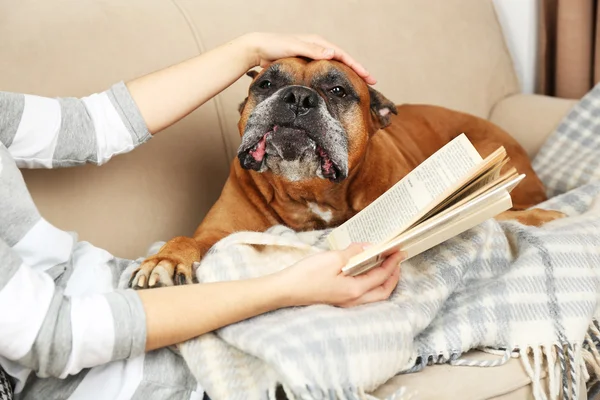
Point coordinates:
[(172, 265), (157, 272)]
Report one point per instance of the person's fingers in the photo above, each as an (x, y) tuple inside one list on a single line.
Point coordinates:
[(341, 257), (316, 48), (394, 259), (378, 275), (335, 52), (290, 46), (390, 284), (340, 55), (379, 293), (344, 57), (311, 49), (353, 249)]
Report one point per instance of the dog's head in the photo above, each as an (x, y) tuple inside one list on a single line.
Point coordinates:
[(309, 119)]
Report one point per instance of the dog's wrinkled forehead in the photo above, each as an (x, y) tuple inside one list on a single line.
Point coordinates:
[(319, 75)]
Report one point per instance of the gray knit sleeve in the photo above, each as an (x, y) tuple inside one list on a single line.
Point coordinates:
[(43, 132), (41, 327)]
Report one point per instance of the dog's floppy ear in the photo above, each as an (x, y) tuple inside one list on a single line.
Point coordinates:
[(242, 105), (252, 74), (381, 108)]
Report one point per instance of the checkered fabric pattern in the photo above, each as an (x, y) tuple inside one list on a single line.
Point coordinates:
[(524, 291), (502, 286), (6, 391), (571, 155)]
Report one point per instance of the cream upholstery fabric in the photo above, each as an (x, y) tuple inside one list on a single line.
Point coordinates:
[(449, 53)]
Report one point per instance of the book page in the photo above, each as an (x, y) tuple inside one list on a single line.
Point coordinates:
[(463, 207), (445, 230), (510, 175), (441, 227), (485, 173), (503, 181), (414, 195), (485, 180)]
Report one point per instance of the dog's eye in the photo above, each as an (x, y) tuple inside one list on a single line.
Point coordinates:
[(338, 91), (265, 84)]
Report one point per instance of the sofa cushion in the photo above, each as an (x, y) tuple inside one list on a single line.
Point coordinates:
[(440, 382), (446, 382)]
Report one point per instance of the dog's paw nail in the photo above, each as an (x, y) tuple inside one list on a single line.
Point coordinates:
[(180, 279), (141, 281), (153, 280)]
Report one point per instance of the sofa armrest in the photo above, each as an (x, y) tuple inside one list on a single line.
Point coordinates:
[(530, 118)]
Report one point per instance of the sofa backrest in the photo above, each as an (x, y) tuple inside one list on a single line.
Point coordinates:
[(450, 53)]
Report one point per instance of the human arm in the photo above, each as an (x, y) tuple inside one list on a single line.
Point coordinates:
[(178, 313), (55, 332), (42, 132), (166, 96), (58, 335), (45, 329)]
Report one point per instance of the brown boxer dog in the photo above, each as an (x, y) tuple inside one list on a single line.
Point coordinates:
[(318, 146)]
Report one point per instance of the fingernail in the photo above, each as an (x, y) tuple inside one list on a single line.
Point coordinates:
[(366, 245), (328, 52), (403, 255)]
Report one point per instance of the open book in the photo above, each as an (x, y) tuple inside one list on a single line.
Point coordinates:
[(450, 192)]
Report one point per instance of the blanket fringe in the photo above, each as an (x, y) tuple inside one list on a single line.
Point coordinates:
[(567, 366), (533, 373), (591, 355), (564, 366), (271, 393), (553, 371), (288, 393)]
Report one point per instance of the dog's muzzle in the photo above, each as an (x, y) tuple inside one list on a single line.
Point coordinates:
[(295, 125)]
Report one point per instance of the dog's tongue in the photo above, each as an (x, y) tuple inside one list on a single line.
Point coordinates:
[(259, 153), (327, 163)]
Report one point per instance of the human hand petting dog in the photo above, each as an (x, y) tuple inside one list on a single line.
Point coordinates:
[(166, 96), (264, 48)]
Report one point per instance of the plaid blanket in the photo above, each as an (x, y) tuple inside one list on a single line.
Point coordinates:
[(6, 390), (527, 292)]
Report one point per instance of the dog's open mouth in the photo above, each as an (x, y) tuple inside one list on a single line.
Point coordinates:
[(298, 145)]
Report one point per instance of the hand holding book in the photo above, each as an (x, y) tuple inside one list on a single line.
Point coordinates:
[(449, 193)]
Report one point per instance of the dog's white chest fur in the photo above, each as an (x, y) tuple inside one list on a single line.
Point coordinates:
[(325, 215)]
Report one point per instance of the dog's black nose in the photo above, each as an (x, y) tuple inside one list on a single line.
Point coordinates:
[(300, 99)]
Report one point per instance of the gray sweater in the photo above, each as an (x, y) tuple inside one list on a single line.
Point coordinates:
[(62, 315)]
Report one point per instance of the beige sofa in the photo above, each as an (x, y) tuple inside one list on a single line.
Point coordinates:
[(445, 52)]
